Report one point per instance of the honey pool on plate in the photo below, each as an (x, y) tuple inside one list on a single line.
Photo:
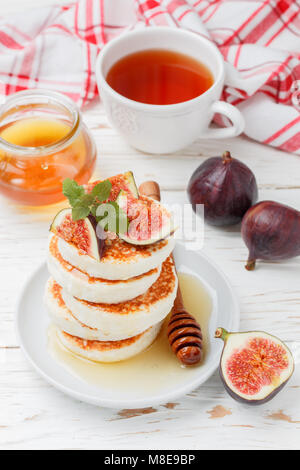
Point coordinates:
[(153, 367)]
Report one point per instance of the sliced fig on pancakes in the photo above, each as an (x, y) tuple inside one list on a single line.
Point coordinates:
[(124, 181), (149, 221), (81, 233), (84, 232)]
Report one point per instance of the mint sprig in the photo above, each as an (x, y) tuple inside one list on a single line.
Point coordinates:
[(83, 204), (102, 190), (72, 191)]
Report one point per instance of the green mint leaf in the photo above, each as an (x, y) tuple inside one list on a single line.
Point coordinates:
[(80, 212), (72, 190), (102, 190), (112, 218), (85, 200), (82, 207)]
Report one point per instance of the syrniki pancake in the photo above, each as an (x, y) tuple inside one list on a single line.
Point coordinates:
[(109, 351), (64, 319), (129, 318), (79, 284), (120, 261), (108, 299)]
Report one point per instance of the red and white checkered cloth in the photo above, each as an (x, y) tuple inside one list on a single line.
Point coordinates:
[(56, 47)]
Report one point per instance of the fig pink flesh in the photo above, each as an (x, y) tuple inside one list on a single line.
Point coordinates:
[(256, 365)]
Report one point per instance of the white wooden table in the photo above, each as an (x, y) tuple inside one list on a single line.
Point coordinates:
[(35, 415)]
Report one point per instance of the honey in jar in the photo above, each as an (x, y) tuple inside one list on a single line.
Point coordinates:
[(42, 141)]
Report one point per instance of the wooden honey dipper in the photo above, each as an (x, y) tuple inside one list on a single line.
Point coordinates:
[(184, 332)]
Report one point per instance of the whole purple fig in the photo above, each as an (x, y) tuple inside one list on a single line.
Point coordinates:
[(226, 187), (271, 232)]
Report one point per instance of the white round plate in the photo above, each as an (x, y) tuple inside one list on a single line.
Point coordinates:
[(32, 324)]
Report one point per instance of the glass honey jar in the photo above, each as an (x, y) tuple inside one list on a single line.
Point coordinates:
[(43, 140)]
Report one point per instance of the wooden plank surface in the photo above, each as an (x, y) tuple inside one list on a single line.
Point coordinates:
[(35, 415)]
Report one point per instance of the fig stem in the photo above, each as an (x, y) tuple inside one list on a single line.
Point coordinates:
[(221, 333), (226, 156), (250, 265)]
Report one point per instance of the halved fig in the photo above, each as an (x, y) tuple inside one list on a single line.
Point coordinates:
[(81, 233), (254, 365), (149, 221), (125, 182)]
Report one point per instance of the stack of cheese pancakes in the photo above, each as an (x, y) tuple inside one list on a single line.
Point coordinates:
[(110, 309)]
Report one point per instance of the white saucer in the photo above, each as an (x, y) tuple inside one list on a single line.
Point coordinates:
[(32, 324)]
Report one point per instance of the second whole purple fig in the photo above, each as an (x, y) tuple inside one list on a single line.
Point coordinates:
[(271, 232), (226, 187)]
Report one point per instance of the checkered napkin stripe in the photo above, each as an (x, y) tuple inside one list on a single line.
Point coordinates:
[(56, 47)]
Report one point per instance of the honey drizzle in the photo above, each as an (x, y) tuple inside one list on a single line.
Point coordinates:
[(158, 366)]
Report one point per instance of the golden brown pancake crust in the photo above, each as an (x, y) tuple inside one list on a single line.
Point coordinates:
[(162, 288), (53, 248), (92, 345), (56, 292), (119, 250)]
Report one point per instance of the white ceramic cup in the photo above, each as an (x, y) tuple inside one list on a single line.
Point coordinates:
[(166, 128)]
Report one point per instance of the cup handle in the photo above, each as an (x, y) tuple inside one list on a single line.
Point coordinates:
[(236, 117)]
